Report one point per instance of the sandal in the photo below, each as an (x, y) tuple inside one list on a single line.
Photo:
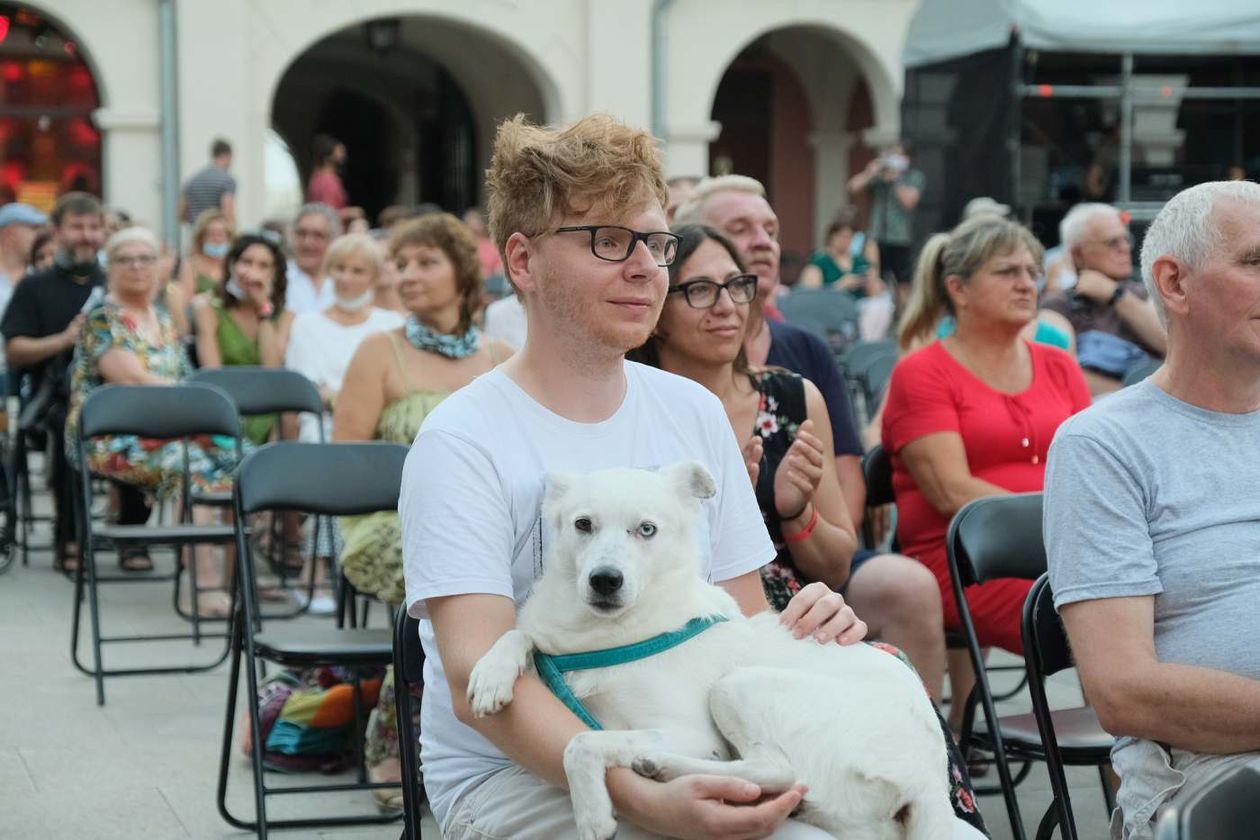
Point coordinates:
[(67, 559), (134, 559), (387, 799)]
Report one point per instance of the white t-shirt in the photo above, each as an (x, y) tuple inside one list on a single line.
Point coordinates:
[(320, 349), (505, 320), (300, 295), (471, 501)]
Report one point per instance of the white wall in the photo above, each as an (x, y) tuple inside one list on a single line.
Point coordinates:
[(569, 57)]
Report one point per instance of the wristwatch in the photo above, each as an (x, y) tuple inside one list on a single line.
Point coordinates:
[(1117, 294)]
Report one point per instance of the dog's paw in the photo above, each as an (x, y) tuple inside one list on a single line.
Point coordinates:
[(490, 686), (649, 768), (591, 826)]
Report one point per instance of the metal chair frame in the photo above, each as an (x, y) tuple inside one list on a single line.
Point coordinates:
[(282, 477), (124, 409), (1046, 653), (408, 672), (1225, 808)]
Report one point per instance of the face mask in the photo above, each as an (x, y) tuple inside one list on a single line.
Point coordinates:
[(356, 304), (233, 288), (67, 263), (215, 252)]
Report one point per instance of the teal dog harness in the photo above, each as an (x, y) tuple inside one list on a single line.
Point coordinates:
[(552, 668)]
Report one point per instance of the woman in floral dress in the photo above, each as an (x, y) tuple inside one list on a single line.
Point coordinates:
[(126, 340)]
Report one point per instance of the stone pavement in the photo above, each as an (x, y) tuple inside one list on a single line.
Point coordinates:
[(145, 764)]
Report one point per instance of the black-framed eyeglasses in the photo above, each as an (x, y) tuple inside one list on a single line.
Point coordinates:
[(615, 243), (703, 294)]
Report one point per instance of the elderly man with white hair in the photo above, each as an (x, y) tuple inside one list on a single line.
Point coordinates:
[(1116, 325), (1152, 524)]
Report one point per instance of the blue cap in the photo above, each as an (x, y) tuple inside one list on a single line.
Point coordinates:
[(21, 214)]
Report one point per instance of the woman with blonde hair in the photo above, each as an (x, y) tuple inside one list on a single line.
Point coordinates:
[(201, 271), (394, 380), (973, 414)]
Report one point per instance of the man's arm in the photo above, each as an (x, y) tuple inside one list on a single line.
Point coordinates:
[(227, 203), (24, 351), (1185, 706)]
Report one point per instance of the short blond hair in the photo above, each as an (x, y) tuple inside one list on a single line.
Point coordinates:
[(538, 174), (354, 245), (691, 211)]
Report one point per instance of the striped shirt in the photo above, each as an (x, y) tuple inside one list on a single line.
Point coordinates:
[(205, 190)]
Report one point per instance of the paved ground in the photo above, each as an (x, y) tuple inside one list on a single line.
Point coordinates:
[(145, 764)]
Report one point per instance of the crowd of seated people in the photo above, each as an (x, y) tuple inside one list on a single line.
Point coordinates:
[(391, 322)]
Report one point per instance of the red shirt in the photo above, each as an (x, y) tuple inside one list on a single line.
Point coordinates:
[(325, 187), (1006, 436)]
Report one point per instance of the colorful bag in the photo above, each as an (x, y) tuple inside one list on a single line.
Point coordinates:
[(307, 718)]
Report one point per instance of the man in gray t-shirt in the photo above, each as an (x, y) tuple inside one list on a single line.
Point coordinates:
[(1152, 519)]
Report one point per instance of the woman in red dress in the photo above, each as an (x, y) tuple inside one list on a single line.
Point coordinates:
[(973, 414)]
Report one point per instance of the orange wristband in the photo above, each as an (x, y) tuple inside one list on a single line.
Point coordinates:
[(803, 534)]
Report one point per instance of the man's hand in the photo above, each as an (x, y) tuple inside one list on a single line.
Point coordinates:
[(712, 807), (752, 451), (1095, 286), (796, 479), (70, 335), (818, 610)]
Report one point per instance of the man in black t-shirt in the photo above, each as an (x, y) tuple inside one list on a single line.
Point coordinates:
[(40, 329), (898, 596)]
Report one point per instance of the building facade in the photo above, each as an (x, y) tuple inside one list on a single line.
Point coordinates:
[(796, 92)]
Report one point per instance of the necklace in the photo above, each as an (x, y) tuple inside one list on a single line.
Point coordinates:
[(450, 346)]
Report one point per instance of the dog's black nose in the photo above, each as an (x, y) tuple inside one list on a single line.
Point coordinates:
[(606, 581)]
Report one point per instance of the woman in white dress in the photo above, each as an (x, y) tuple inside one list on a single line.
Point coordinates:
[(322, 343)]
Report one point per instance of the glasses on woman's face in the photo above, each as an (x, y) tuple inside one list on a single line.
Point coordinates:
[(615, 244), (136, 261), (703, 294)]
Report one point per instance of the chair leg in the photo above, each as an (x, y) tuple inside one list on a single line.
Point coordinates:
[(407, 758), (1109, 795), (88, 559), (229, 723)]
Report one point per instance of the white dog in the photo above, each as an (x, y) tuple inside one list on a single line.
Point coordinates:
[(741, 698)]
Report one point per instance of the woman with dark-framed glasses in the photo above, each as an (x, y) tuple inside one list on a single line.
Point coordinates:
[(779, 418)]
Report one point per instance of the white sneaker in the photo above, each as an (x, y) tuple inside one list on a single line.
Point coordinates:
[(319, 605)]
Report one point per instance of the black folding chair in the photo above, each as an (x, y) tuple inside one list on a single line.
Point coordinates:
[(1069, 737), (878, 471), (828, 313), (171, 413), (1226, 808), (323, 479), (408, 673), (868, 366), (260, 391)]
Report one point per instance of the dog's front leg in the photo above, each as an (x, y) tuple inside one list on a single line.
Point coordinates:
[(586, 758), (494, 676)]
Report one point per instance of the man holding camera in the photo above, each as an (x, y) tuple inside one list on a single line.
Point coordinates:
[(894, 188)]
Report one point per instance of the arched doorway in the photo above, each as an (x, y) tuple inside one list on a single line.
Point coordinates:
[(791, 105), (48, 93), (415, 114)]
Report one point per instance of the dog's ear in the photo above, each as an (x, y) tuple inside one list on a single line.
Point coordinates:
[(691, 480), (555, 487)]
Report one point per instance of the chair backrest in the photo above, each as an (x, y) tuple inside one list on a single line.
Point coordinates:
[(860, 355), (159, 411), (1140, 371), (260, 390), (1046, 647), (997, 537), (827, 313), (408, 654), (878, 471), (333, 479), (1227, 808)]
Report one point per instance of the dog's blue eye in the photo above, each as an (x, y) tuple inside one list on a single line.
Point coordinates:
[(583, 524), (647, 529)]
